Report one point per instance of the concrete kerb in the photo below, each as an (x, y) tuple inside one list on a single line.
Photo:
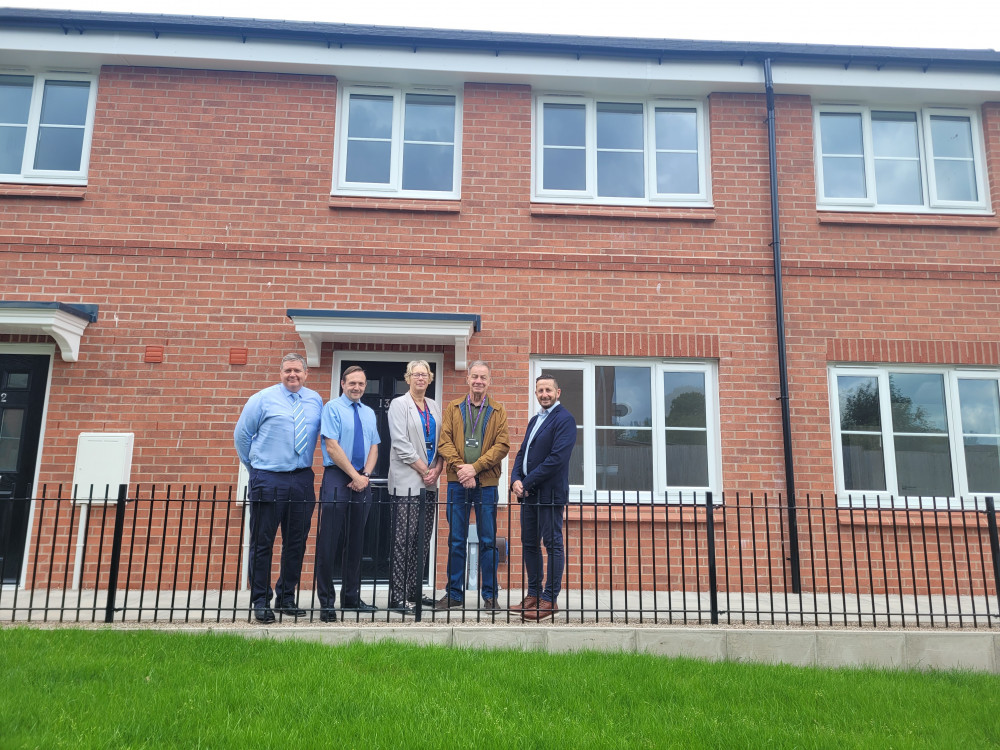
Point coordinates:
[(918, 650)]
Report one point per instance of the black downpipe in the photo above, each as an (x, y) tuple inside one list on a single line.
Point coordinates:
[(779, 305)]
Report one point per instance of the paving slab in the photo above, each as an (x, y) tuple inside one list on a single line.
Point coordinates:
[(866, 648), (499, 637), (560, 639), (948, 650), (772, 647), (691, 643)]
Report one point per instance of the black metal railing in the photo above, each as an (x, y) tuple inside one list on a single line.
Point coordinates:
[(179, 554)]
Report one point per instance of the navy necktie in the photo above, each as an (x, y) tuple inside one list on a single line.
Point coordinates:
[(358, 452)]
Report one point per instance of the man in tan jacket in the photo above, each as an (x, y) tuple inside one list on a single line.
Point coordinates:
[(473, 442)]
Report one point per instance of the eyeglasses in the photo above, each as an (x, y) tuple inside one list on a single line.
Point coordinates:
[(419, 375)]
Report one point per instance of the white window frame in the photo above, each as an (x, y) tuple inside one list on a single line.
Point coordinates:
[(589, 193), (659, 493), (962, 497), (925, 150), (394, 187), (28, 173)]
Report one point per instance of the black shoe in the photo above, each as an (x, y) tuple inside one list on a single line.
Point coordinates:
[(446, 602), (490, 605), (401, 607), (426, 601), (328, 615), (263, 614), (291, 609), (360, 606)]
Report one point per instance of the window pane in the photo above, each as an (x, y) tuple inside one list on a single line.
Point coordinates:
[(429, 118), (18, 381), (687, 458), (576, 459), (368, 161), (619, 125), (369, 116), (982, 463), (844, 177), (11, 421), (11, 149), (565, 169), (677, 129), (677, 173), (859, 404), (620, 175), (898, 182), (684, 399), (564, 125), (894, 134), (622, 396), (625, 459), (65, 103), (864, 465), (59, 148), (955, 180), (980, 407), (15, 99), (952, 137), (917, 401), (923, 466), (428, 167), (840, 133)]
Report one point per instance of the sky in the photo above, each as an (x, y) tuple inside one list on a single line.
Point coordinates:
[(956, 24)]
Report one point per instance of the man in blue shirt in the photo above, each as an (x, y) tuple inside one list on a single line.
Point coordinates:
[(350, 452), (276, 441)]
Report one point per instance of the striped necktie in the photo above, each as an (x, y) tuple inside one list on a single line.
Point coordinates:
[(299, 418)]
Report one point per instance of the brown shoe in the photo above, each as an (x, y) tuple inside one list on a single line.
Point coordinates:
[(545, 609), (528, 603), (446, 602)]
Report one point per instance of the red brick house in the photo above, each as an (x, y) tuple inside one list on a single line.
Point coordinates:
[(182, 200)]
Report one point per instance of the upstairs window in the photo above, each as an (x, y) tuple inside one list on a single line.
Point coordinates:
[(620, 152), (924, 436), (646, 429), (399, 141), (46, 123), (900, 160)]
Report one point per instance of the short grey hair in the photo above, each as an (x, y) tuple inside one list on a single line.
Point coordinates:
[(479, 363), (293, 357)]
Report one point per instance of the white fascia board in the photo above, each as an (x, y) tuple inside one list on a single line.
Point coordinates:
[(388, 64), (867, 82)]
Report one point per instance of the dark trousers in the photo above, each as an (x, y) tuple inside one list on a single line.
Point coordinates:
[(410, 547), (341, 511), (543, 522), (285, 500)]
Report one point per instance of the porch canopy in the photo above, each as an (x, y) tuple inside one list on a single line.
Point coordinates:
[(364, 327), (63, 321)]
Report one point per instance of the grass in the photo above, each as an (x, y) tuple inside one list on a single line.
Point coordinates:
[(155, 689)]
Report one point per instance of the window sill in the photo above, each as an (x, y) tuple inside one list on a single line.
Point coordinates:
[(651, 213), (362, 203), (980, 221), (958, 517), (75, 192)]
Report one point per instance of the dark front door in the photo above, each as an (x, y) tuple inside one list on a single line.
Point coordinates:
[(22, 396), (385, 382)]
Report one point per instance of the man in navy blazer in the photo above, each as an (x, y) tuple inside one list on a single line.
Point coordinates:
[(541, 483)]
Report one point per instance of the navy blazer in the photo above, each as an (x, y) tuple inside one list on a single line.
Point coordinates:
[(547, 479)]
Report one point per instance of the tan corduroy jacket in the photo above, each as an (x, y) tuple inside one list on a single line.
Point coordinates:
[(496, 441)]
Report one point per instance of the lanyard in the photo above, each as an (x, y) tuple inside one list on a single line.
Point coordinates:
[(468, 400), (426, 417)]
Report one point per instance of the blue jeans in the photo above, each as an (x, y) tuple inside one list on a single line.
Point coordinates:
[(460, 502)]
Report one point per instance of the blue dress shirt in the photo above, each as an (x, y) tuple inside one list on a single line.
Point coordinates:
[(265, 432), (338, 424)]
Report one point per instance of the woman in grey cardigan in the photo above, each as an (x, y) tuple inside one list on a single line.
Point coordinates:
[(414, 465)]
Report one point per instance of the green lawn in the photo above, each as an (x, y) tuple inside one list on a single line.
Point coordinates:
[(141, 689)]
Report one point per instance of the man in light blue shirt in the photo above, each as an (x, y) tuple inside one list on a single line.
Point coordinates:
[(276, 440), (350, 452)]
